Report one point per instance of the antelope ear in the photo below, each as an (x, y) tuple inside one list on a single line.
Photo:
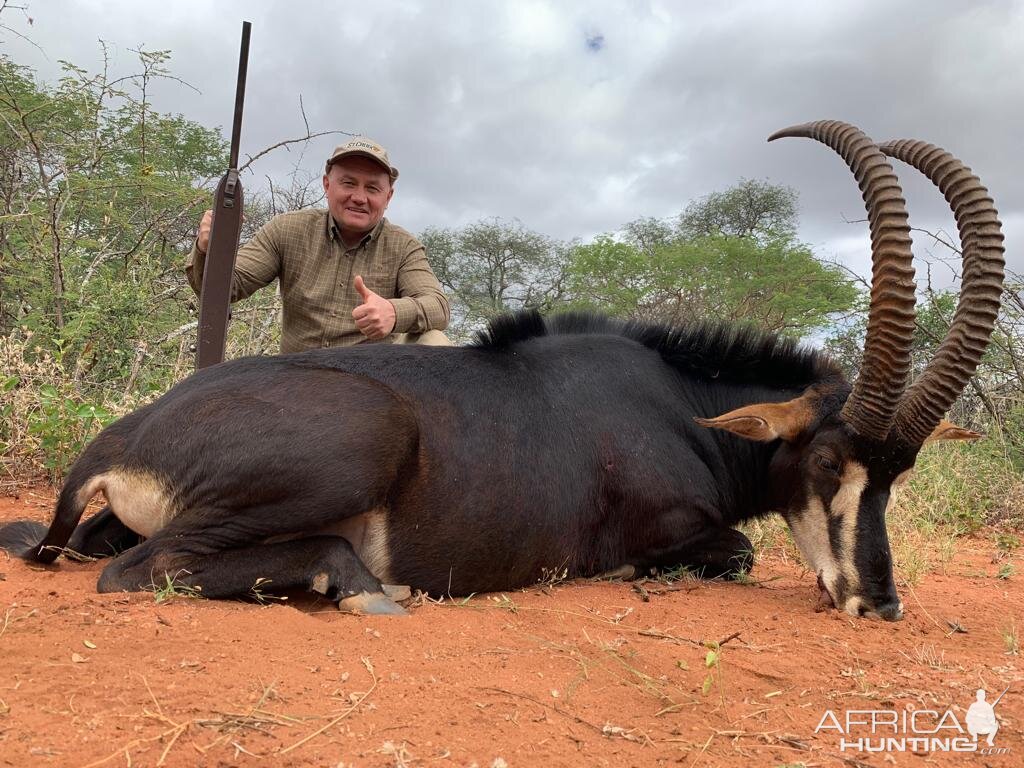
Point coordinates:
[(766, 421), (947, 430)]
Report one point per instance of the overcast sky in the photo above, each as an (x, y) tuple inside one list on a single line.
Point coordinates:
[(577, 118)]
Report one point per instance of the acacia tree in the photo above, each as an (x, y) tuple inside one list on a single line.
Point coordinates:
[(751, 208), (729, 255), (494, 266)]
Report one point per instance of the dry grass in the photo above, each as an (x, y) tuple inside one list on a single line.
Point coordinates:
[(232, 726), (963, 486)]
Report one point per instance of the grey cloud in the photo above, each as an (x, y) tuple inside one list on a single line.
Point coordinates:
[(501, 109)]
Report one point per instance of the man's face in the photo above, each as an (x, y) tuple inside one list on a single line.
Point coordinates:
[(358, 191)]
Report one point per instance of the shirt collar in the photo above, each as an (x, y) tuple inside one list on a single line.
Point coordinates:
[(333, 232)]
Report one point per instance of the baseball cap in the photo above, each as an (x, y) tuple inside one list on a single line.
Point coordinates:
[(361, 145)]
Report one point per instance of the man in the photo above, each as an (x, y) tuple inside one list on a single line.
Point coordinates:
[(981, 718), (347, 274)]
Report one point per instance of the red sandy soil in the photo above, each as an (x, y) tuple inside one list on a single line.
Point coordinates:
[(574, 674)]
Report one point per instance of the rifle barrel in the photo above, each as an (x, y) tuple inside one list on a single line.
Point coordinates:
[(243, 66)]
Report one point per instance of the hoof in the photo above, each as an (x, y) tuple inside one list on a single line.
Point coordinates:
[(375, 603), (321, 583), (397, 592)]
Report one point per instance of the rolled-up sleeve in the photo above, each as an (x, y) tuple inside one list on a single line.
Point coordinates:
[(421, 304)]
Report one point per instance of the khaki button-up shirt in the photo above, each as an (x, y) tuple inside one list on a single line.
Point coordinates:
[(304, 250)]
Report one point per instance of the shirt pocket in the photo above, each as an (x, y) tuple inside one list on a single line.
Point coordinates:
[(381, 282)]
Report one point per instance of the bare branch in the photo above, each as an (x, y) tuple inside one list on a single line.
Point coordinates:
[(287, 142)]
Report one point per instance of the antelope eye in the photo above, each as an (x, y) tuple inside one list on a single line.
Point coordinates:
[(827, 464)]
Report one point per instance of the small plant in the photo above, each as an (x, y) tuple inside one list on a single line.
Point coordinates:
[(859, 675), (1005, 571), (1006, 543), (506, 603), (261, 597), (172, 588), (928, 656), (713, 664), (1010, 640), (45, 419), (550, 577), (912, 552), (679, 573), (742, 576)]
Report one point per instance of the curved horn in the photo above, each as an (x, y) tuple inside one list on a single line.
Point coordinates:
[(872, 404), (981, 238)]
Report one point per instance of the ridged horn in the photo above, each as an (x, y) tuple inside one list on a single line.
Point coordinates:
[(885, 366), (981, 240)]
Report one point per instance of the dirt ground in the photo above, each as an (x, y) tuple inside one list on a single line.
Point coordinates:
[(572, 674)]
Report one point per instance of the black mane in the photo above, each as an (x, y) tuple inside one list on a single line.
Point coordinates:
[(706, 349)]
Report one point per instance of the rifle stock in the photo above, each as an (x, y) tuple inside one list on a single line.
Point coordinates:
[(215, 296)]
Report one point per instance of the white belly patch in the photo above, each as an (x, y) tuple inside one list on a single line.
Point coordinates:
[(138, 499)]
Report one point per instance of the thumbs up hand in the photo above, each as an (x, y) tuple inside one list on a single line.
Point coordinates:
[(375, 317)]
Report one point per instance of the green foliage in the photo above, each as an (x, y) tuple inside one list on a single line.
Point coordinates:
[(960, 486), (1006, 543), (611, 275), (172, 588), (776, 283), (100, 194), (7, 385), (64, 424), (45, 421), (730, 255), (713, 664), (752, 208), (493, 266)]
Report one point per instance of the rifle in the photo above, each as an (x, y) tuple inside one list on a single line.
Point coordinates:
[(1000, 697), (215, 296)]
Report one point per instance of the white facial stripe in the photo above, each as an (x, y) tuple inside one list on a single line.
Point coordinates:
[(853, 605), (810, 531), (138, 499), (846, 506)]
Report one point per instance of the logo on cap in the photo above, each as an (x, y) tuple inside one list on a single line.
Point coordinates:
[(363, 147)]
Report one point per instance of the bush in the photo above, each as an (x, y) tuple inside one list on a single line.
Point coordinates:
[(46, 421), (963, 485)]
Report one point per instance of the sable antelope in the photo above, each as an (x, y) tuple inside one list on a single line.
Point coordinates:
[(572, 443)]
